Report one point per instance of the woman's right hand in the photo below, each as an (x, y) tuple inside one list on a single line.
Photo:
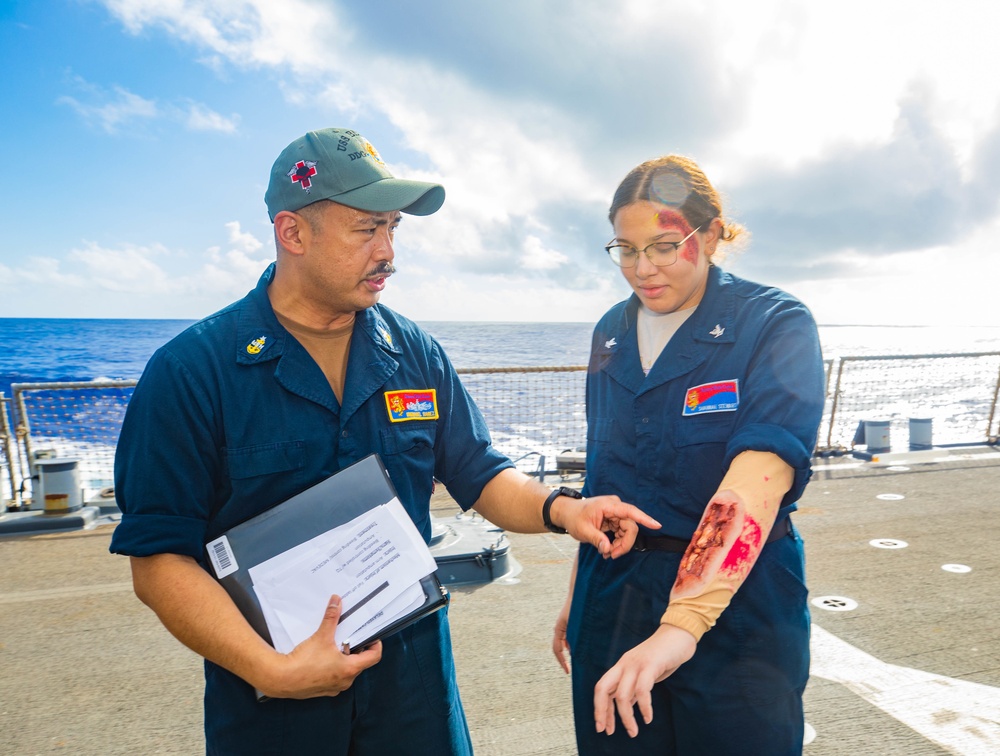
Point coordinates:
[(629, 683), (560, 646)]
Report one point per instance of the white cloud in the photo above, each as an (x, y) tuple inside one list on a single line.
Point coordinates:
[(114, 108), (128, 268), (292, 33), (825, 74), (945, 285), (119, 108), (39, 271), (515, 298), (537, 257), (853, 131), (241, 239), (110, 281), (202, 118)]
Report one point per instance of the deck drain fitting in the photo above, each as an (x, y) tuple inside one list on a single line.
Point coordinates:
[(888, 543), (956, 568), (835, 603), (890, 497)]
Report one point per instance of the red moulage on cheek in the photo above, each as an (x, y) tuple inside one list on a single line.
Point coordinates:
[(671, 220), (690, 252)]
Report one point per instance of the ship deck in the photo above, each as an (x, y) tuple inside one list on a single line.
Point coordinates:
[(904, 644)]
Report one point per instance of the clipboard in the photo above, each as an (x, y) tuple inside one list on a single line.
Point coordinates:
[(334, 501)]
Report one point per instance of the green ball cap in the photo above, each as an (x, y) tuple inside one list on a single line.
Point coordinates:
[(341, 165)]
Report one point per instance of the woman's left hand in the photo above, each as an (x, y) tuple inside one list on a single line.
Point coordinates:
[(631, 680)]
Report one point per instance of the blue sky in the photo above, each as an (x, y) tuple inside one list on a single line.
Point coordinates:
[(859, 143)]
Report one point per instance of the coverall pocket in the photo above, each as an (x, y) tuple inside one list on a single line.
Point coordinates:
[(599, 430), (788, 573), (265, 459), (431, 645), (772, 617), (712, 428), (606, 442), (700, 444), (408, 453), (399, 440), (266, 472)]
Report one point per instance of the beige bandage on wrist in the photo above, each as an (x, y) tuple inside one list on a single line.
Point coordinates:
[(728, 540)]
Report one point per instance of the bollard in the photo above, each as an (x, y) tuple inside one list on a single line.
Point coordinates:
[(921, 433), (877, 436), (58, 485)]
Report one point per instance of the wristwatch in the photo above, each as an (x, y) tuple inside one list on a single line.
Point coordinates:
[(547, 506)]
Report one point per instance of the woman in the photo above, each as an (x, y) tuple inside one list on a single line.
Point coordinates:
[(704, 395)]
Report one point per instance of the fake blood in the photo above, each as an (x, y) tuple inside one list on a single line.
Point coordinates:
[(707, 540), (711, 536), (744, 551), (690, 251), (673, 220)]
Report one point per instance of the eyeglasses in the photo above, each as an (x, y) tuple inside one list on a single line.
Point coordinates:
[(661, 254)]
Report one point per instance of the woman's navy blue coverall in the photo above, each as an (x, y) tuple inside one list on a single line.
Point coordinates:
[(744, 372)]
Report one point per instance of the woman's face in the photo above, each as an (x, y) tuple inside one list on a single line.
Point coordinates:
[(670, 288)]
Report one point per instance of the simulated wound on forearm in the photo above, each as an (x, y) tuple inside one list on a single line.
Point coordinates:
[(728, 540)]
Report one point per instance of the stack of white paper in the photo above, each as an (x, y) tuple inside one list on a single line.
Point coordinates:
[(374, 563)]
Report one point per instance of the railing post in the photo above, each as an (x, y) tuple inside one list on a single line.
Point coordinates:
[(23, 428), (25, 396), (10, 451), (990, 438), (833, 406)]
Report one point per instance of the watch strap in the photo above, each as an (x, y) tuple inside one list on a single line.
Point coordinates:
[(547, 506)]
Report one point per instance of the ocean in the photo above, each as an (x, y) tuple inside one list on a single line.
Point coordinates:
[(531, 417), (37, 349)]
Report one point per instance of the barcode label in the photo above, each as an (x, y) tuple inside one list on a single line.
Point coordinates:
[(222, 557)]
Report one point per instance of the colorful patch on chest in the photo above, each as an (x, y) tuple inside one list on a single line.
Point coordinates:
[(412, 404), (721, 396)]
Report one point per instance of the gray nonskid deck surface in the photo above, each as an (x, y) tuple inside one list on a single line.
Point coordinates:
[(86, 669)]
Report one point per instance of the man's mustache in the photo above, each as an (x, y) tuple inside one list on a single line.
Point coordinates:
[(382, 270)]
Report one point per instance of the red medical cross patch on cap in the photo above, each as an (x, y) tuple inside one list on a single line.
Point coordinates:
[(302, 171)]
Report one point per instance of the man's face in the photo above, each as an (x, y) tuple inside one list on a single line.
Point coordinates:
[(348, 258)]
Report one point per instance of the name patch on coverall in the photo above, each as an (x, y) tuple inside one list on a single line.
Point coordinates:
[(721, 396), (412, 404)]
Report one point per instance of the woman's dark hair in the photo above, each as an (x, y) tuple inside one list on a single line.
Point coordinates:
[(677, 181)]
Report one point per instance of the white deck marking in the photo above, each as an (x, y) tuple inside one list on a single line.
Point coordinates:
[(959, 715)]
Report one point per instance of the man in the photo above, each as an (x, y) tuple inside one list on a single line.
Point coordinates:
[(280, 390)]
